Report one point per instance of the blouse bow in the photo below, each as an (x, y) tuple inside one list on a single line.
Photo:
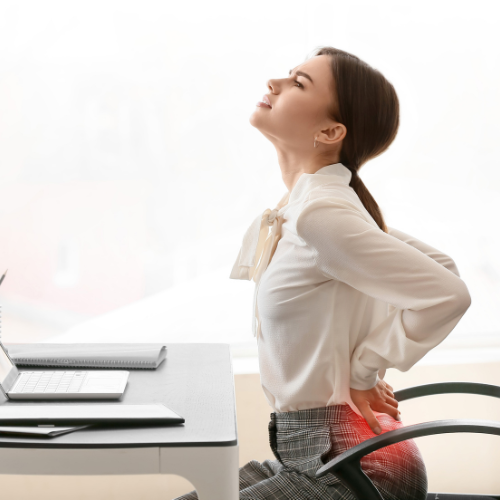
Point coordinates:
[(257, 249)]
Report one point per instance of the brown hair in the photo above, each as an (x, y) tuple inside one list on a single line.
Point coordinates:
[(367, 104)]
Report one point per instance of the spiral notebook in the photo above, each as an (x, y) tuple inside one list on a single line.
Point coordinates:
[(139, 356)]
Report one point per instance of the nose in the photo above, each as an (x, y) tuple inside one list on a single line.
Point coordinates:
[(271, 84)]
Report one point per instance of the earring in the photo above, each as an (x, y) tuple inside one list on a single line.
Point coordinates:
[(315, 143)]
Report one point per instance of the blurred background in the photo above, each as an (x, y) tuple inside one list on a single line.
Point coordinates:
[(129, 171)]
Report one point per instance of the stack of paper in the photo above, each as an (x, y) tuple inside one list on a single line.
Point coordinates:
[(44, 431)]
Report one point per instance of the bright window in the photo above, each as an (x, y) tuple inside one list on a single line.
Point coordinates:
[(129, 171)]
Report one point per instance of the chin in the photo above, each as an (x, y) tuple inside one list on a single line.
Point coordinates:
[(253, 120), (257, 121)]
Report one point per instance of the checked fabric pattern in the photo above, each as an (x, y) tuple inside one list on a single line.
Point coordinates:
[(303, 441)]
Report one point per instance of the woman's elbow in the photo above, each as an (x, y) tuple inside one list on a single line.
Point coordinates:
[(463, 299)]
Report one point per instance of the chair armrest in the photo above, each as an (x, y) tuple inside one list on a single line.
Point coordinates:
[(447, 387), (347, 466)]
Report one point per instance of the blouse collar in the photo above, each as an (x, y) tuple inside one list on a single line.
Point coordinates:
[(334, 173), (259, 242)]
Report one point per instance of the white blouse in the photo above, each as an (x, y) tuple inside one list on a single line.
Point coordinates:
[(337, 300)]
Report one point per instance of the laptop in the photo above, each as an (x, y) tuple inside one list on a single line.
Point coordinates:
[(59, 384)]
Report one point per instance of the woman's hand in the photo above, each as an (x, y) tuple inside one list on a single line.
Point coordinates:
[(379, 398)]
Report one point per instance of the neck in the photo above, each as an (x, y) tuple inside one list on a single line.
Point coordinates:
[(293, 164)]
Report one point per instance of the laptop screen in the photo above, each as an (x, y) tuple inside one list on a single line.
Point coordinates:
[(8, 371)]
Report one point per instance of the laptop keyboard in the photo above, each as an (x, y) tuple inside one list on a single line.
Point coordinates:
[(53, 381)]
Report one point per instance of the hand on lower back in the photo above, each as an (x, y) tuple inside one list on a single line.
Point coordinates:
[(379, 398)]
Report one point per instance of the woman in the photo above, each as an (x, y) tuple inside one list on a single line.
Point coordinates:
[(343, 296)]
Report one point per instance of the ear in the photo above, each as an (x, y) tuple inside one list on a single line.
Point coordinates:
[(333, 134)]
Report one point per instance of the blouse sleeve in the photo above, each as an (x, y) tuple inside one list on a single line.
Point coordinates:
[(433, 253), (428, 299)]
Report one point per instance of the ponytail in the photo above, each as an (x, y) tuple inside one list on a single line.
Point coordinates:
[(367, 104), (368, 201)]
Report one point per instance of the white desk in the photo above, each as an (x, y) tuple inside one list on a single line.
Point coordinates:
[(196, 381)]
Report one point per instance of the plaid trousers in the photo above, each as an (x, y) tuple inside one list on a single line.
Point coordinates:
[(303, 441)]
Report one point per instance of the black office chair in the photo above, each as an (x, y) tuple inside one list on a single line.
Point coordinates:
[(347, 466)]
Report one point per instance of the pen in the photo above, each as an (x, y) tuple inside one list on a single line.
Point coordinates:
[(1, 279)]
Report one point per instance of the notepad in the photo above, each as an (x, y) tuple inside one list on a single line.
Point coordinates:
[(140, 356)]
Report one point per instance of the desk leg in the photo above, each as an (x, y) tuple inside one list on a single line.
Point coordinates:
[(214, 472)]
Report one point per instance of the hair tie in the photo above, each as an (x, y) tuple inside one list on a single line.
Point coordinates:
[(353, 172)]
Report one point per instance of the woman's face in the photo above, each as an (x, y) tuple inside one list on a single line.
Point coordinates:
[(298, 105)]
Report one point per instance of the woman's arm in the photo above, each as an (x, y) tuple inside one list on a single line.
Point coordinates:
[(433, 253), (428, 298)]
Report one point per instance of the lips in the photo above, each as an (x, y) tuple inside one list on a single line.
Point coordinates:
[(264, 103)]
